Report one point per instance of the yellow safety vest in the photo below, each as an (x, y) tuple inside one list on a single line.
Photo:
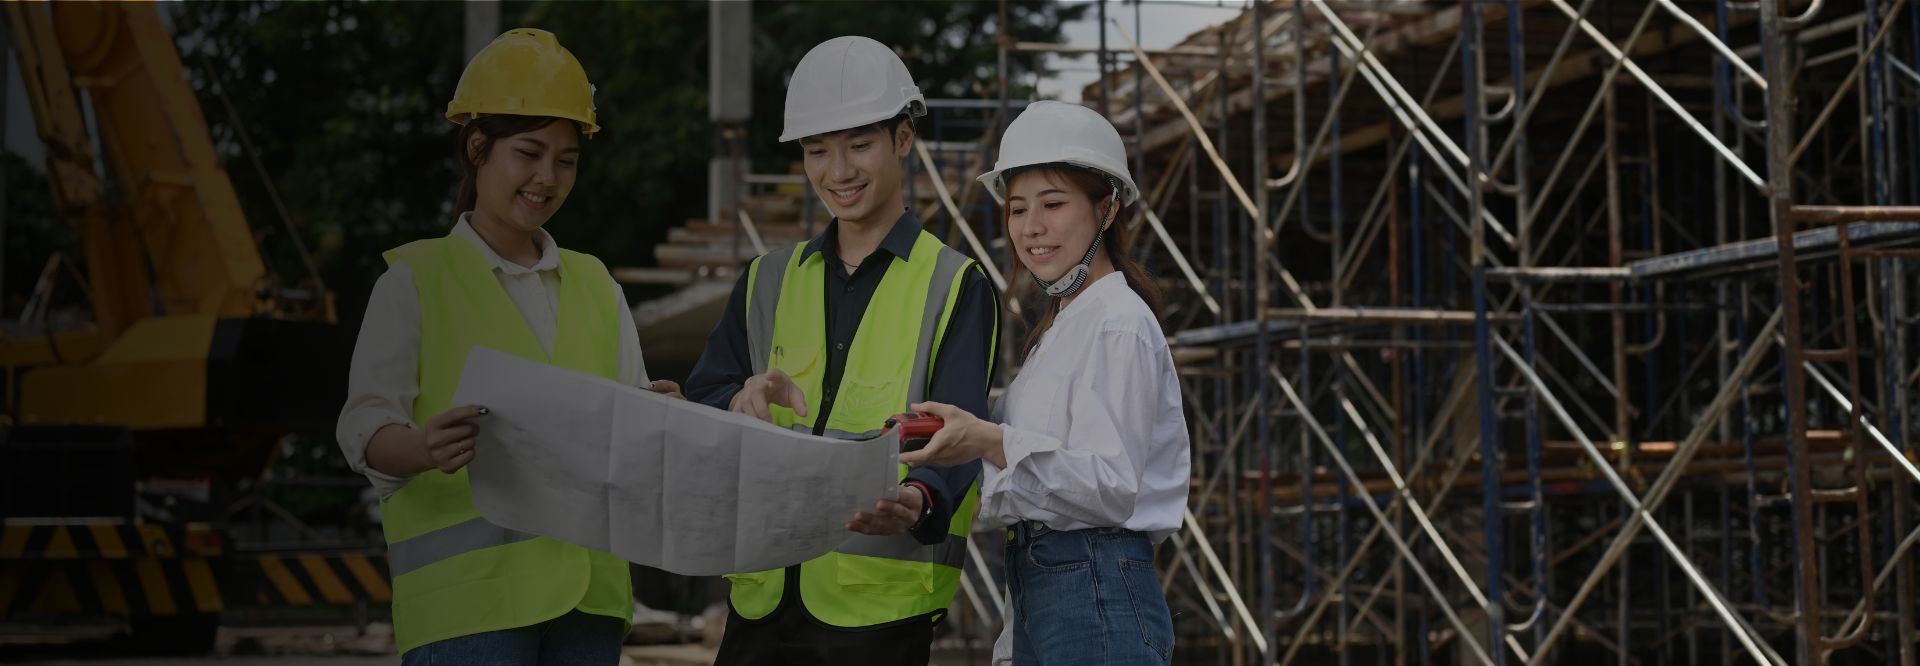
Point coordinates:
[(868, 580), (454, 573)]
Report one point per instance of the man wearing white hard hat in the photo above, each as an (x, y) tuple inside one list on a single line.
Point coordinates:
[(1089, 471), (836, 334)]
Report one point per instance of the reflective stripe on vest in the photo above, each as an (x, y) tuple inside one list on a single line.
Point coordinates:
[(770, 275), (869, 580), (440, 544), (765, 277), (454, 573)]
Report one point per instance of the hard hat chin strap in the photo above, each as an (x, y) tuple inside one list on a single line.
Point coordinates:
[(1076, 278)]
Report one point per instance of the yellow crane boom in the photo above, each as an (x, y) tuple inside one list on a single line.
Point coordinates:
[(169, 255)]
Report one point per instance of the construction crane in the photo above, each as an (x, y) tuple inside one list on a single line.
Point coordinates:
[(126, 442)]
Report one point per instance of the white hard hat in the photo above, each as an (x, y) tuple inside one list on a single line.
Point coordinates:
[(1060, 133), (848, 82)]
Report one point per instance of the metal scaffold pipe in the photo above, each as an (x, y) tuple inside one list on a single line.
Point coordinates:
[(1637, 323)]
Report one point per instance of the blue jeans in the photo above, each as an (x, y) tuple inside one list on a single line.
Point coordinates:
[(574, 638), (1086, 597)]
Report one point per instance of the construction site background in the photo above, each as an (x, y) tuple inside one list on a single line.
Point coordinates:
[(1510, 331)]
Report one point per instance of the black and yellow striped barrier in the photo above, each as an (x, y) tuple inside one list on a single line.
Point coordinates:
[(104, 587), (108, 539), (117, 569), (306, 579), (110, 568)]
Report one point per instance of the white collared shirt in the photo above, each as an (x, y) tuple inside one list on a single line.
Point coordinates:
[(383, 379), (1095, 435)]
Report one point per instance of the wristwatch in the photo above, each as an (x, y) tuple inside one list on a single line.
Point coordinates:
[(926, 505)]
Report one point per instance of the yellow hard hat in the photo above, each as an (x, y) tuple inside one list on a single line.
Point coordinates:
[(524, 72)]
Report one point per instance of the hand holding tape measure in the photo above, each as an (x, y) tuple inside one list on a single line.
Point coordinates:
[(941, 434)]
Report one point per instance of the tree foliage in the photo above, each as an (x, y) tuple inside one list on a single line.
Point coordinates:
[(342, 105)]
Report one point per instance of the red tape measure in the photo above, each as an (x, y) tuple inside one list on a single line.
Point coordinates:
[(916, 429)]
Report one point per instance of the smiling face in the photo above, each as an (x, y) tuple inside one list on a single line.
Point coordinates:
[(1052, 221), (525, 177), (857, 172)]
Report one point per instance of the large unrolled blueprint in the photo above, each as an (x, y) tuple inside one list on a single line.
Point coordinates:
[(659, 481)]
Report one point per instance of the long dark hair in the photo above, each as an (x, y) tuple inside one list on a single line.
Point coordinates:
[(1116, 242), (491, 128)]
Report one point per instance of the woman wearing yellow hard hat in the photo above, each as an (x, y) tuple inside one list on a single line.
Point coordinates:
[(465, 590)]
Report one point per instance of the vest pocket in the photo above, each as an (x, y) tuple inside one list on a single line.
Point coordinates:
[(755, 594), (794, 360), (875, 575), (860, 395), (798, 362), (752, 578)]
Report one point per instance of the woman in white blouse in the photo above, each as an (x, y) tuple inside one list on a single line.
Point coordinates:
[(1090, 468)]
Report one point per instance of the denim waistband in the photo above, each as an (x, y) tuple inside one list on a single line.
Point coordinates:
[(1026, 531)]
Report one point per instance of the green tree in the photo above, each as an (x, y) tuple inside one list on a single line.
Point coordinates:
[(647, 172), (341, 104), (355, 144)]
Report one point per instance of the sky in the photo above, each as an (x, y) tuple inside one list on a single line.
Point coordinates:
[(1163, 23)]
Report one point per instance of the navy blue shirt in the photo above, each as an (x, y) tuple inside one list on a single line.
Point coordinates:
[(962, 368)]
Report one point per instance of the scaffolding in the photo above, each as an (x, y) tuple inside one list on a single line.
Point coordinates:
[(1515, 331)]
